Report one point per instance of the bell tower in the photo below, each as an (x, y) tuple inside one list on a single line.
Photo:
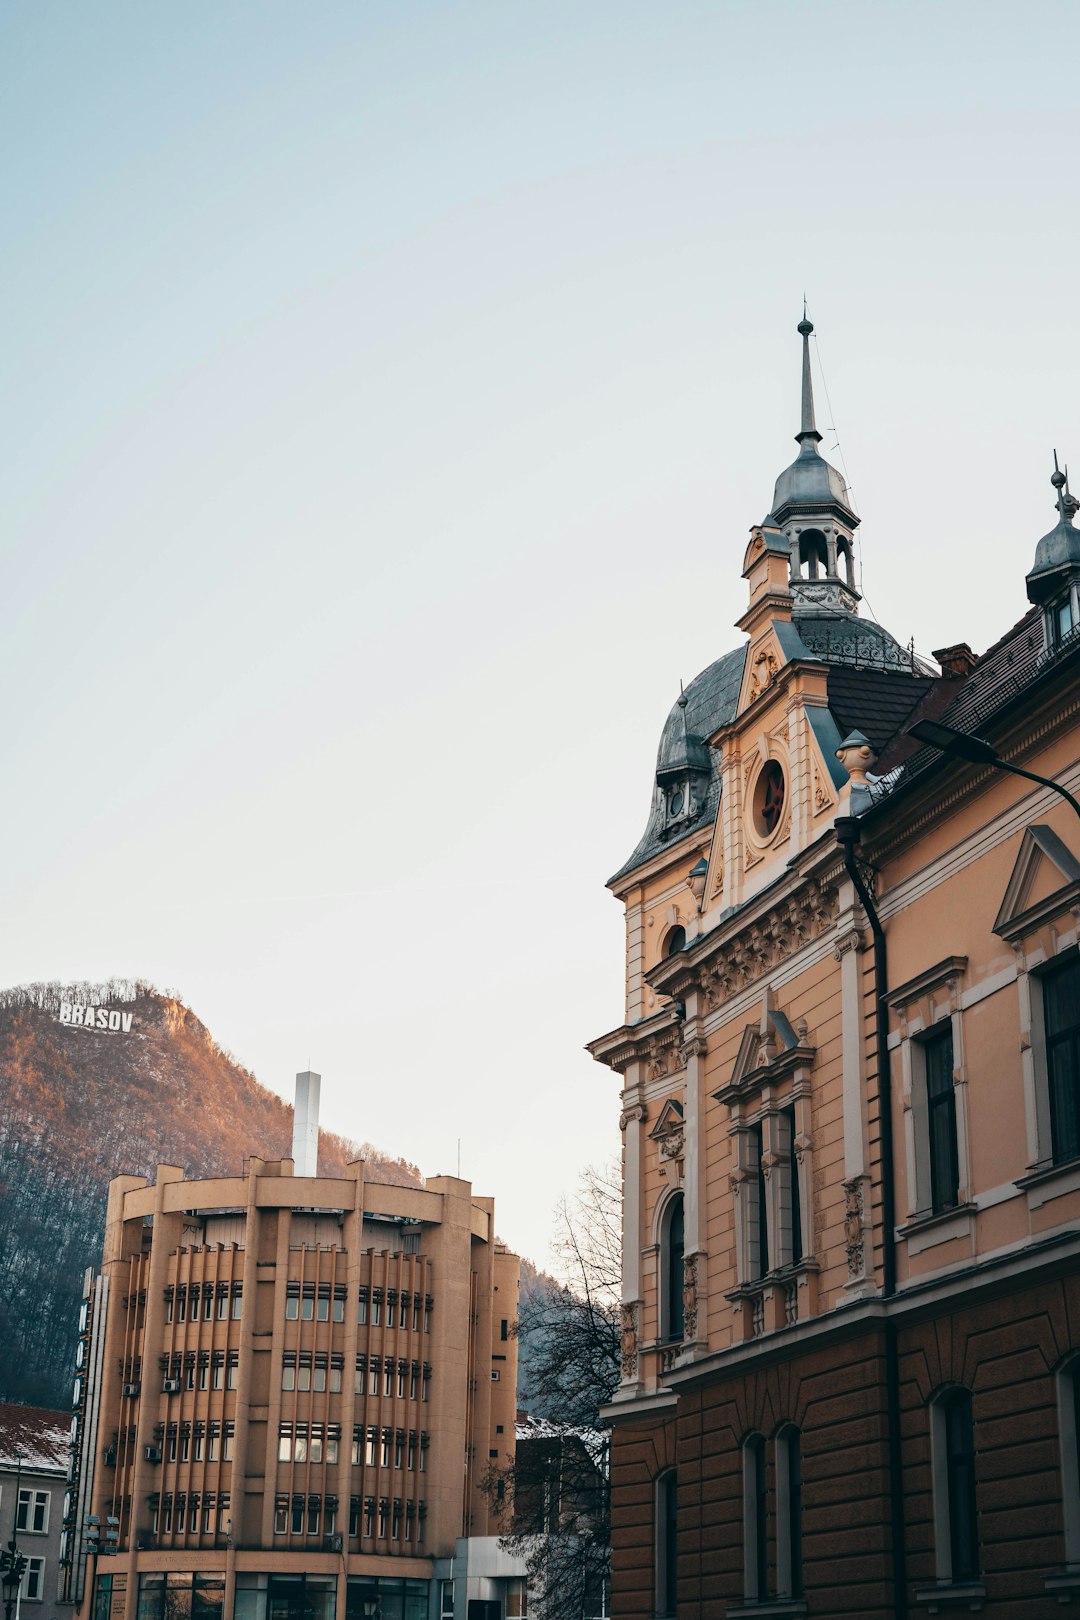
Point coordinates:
[(812, 508)]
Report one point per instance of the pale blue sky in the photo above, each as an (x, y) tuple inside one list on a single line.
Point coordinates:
[(389, 389)]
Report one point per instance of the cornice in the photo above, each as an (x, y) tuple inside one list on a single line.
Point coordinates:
[(656, 1039), (697, 839), (961, 1289), (764, 933)]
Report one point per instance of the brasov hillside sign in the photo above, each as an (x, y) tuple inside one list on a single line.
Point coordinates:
[(89, 1017)]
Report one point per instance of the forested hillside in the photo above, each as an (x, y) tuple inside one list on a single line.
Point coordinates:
[(81, 1104)]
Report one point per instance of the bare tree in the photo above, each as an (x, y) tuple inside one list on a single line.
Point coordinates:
[(556, 1498)]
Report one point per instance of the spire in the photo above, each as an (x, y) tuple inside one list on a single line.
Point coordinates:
[(808, 429)]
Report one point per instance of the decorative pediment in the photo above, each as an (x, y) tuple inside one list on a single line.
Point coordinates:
[(769, 1051), (669, 1130), (1045, 881), (764, 662)]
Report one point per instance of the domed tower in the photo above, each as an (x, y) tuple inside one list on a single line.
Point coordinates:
[(1054, 580), (812, 508)]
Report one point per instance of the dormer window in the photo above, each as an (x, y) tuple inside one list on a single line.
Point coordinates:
[(1063, 620)]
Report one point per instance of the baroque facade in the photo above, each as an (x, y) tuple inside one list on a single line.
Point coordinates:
[(289, 1388), (850, 1108)]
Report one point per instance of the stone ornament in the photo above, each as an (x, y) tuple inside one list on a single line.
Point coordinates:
[(853, 1225), (690, 1297), (628, 1340)]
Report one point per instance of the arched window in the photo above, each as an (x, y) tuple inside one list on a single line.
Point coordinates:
[(1068, 1395), (675, 940), (755, 1520), (789, 1582), (667, 1545), (672, 1244), (956, 1521), (843, 549), (813, 552)]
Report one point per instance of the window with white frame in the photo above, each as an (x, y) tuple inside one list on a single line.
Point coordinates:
[(32, 1514), (666, 1530), (33, 1586), (956, 1520)]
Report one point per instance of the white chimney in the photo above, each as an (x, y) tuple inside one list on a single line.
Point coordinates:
[(305, 1134)]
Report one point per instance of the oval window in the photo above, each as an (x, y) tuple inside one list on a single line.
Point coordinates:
[(769, 795)]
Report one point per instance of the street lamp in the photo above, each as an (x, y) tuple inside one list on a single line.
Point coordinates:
[(961, 745), (12, 1561)]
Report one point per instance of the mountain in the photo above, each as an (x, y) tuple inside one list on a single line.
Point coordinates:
[(96, 1080)]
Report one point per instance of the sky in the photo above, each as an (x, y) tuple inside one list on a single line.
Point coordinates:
[(389, 389)]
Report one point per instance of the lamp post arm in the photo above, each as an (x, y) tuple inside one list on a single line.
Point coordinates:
[(1016, 770)]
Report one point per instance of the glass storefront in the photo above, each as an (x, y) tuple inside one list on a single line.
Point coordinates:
[(386, 1597), (285, 1597), (182, 1595)]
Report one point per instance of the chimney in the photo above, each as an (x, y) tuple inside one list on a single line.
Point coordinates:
[(305, 1136), (956, 662)]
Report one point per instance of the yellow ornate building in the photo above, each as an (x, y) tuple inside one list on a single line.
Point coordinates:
[(850, 1069)]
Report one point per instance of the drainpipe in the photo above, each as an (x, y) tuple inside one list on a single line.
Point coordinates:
[(848, 833)]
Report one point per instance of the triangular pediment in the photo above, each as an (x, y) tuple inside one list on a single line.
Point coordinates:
[(746, 1060), (1045, 879), (670, 1120)]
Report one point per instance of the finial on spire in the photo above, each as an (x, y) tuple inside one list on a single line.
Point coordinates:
[(808, 430), (1066, 503)]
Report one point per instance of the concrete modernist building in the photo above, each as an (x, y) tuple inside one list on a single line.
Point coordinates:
[(851, 1108), (33, 1481), (294, 1387)]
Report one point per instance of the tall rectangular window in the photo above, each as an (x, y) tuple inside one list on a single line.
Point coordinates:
[(760, 1195), (755, 1520), (937, 1052), (1061, 1006), (34, 1580), (667, 1544), (963, 1518), (952, 1449)]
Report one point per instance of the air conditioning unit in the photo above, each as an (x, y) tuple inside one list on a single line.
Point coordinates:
[(110, 1456), (132, 1391), (170, 1386), (333, 1543), (152, 1453)]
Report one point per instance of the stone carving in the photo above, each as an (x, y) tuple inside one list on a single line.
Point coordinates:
[(822, 796), (631, 1113), (718, 881), (850, 940), (763, 672), (769, 941), (671, 1145), (689, 1296), (853, 1225), (628, 1341)]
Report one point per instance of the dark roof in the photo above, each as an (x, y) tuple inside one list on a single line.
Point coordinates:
[(1004, 672), (710, 703), (41, 1436), (875, 701)]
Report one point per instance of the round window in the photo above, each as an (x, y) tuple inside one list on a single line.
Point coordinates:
[(675, 803), (769, 799)]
